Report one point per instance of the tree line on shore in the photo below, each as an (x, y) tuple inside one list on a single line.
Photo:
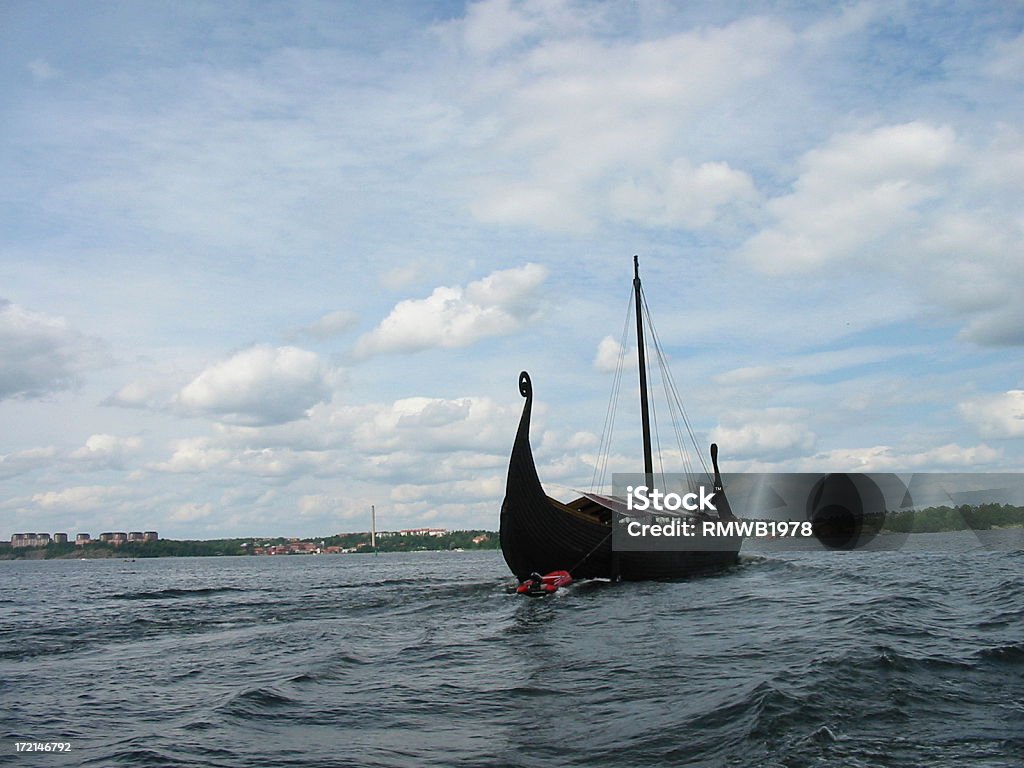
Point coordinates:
[(978, 517), (357, 542)]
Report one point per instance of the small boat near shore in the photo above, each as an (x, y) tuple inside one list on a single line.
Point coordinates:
[(541, 535)]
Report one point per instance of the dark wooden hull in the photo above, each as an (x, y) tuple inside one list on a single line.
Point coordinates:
[(540, 534)]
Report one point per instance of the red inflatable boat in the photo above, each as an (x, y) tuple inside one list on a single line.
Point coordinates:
[(539, 586)]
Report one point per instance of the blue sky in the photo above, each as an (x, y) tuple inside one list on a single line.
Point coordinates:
[(263, 265)]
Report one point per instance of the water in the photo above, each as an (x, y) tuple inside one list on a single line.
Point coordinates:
[(790, 659)]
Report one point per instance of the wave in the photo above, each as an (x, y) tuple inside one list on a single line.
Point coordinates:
[(1002, 619), (134, 756), (372, 584), (256, 702), (175, 593), (1010, 653)]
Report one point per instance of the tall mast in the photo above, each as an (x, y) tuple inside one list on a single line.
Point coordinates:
[(644, 411)]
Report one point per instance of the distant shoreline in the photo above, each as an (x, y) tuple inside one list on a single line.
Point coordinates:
[(930, 520), (270, 546)]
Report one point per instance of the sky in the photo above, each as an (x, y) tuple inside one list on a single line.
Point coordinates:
[(263, 265)]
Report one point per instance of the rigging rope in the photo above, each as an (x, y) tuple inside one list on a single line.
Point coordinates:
[(672, 393), (596, 547), (677, 412), (604, 447)]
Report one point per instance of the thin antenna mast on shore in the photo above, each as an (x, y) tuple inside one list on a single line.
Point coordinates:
[(373, 528)]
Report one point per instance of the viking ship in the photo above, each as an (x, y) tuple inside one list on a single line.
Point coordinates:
[(540, 534)]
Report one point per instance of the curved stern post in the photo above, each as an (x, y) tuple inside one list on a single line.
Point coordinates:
[(721, 502)]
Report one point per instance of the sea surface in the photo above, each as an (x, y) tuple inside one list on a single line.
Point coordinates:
[(901, 658)]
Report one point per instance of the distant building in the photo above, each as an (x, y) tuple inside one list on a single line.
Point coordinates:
[(135, 536), (424, 532), (116, 538), (481, 538), (30, 539), (83, 539), (60, 538), (150, 536)]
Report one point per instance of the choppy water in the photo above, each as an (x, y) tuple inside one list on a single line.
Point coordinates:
[(794, 659)]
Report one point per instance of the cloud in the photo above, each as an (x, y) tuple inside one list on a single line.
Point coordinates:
[(999, 326), (884, 458), (880, 458), (428, 425), (106, 451), (404, 275), (998, 416), (202, 455), (195, 454), (752, 374), (1007, 59), (330, 325), (80, 498), (852, 19), (914, 205), (493, 27), (19, 462), (41, 354), (258, 386), (609, 355), (141, 394), (318, 504), (682, 196), (770, 434), (41, 70), (586, 122), (817, 364), (495, 24), (450, 317), (609, 352), (852, 196), (189, 512), (431, 437), (581, 440), (482, 488)]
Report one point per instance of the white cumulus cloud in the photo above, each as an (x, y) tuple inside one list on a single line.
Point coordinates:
[(458, 316), (609, 355), (768, 434), (258, 386)]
